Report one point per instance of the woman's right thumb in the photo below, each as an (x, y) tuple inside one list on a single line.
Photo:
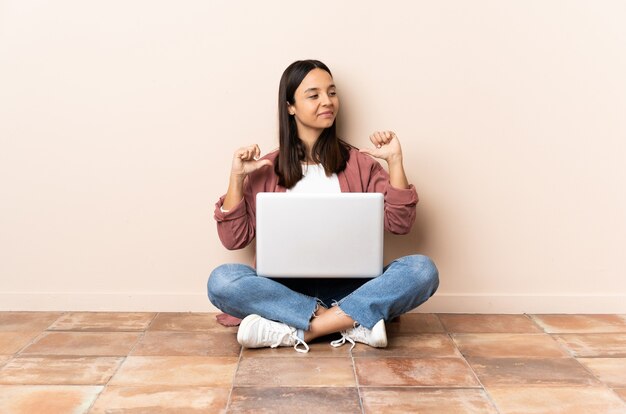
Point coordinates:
[(263, 163)]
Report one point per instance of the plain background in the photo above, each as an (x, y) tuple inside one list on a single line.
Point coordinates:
[(118, 121)]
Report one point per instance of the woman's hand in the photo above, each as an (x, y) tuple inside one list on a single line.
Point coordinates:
[(386, 146), (246, 160)]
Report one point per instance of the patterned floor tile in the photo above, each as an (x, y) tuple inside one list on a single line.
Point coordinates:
[(48, 399), (190, 322), (425, 372), (27, 321), (102, 321), (187, 362), (621, 392), (84, 344), (12, 342), (4, 359), (176, 371), (161, 399), (344, 400), (415, 323), (474, 323), (317, 350), (166, 343), (581, 323), (556, 400), (531, 371), (611, 371), (295, 372), (413, 346), (504, 345), (59, 371), (394, 400), (594, 345)]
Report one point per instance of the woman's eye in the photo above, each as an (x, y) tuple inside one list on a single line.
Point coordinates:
[(332, 93), (313, 96)]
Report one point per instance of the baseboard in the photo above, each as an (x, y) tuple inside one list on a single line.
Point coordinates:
[(198, 302), (475, 303), (106, 302)]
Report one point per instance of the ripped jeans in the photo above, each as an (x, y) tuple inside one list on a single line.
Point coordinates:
[(405, 284)]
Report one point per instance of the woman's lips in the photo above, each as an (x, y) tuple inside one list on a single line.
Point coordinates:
[(326, 114)]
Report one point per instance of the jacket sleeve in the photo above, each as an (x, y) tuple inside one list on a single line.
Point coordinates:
[(399, 203), (236, 227)]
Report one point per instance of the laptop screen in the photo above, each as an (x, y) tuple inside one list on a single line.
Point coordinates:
[(319, 235)]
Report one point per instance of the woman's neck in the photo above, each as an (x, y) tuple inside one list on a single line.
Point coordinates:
[(309, 138)]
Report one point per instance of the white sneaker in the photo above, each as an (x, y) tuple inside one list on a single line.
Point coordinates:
[(376, 337), (257, 332)]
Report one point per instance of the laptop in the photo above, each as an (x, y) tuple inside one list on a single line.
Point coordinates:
[(319, 235)]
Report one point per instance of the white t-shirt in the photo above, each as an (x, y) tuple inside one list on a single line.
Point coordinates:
[(316, 181)]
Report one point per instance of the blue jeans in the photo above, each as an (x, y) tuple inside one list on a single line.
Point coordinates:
[(405, 284)]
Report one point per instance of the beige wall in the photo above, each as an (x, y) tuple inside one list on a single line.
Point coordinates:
[(118, 120)]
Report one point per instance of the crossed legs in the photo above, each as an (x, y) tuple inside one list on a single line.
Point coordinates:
[(405, 284)]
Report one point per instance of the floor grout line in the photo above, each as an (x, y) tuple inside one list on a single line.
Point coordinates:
[(38, 337), (156, 315), (356, 381), (482, 386), (106, 385), (232, 385), (572, 354), (569, 352), (531, 317)]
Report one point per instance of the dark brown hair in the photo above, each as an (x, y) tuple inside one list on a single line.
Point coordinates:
[(329, 150)]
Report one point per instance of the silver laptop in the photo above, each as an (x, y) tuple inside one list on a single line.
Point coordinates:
[(319, 235)]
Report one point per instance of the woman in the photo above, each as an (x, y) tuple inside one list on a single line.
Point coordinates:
[(311, 158)]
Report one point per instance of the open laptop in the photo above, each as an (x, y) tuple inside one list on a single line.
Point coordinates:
[(319, 235)]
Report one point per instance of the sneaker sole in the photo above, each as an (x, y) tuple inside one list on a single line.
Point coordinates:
[(243, 327)]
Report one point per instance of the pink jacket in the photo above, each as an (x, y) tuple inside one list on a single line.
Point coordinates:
[(363, 174)]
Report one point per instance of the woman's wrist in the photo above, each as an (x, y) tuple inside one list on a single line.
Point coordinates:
[(235, 191), (397, 176), (394, 160), (236, 178)]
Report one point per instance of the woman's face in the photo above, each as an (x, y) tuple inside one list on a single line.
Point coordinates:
[(315, 103)]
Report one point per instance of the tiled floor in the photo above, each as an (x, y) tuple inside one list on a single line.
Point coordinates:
[(435, 363)]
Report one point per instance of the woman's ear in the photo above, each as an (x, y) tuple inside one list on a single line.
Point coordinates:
[(291, 109)]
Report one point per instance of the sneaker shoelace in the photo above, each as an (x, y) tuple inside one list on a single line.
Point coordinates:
[(357, 334), (339, 342), (299, 341), (288, 334)]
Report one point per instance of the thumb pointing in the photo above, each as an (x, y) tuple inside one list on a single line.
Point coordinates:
[(263, 163), (367, 151)]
